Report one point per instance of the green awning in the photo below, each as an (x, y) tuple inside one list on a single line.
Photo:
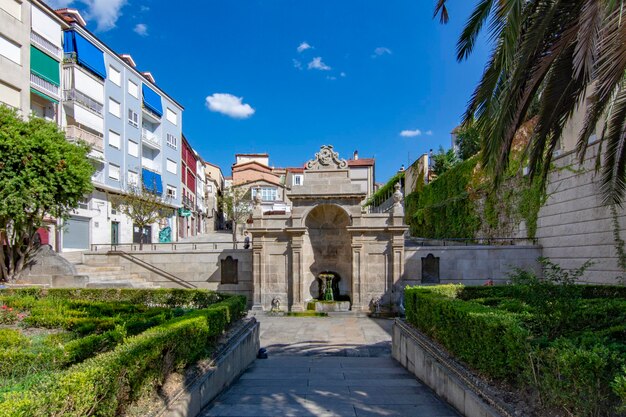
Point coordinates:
[(44, 66), (45, 96)]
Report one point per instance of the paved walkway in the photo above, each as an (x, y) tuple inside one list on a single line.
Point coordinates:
[(327, 367)]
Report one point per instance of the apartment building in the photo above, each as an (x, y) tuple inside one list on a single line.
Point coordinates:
[(251, 171), (187, 218), (215, 183), (201, 207), (134, 128)]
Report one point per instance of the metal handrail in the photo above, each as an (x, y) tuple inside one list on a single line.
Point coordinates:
[(83, 99), (488, 241), (172, 246), (154, 268)]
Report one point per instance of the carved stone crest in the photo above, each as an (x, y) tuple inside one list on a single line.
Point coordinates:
[(327, 158)]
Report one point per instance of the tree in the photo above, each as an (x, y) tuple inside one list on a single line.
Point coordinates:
[(444, 160), (550, 57), (237, 207), (143, 205), (41, 175), (468, 140)]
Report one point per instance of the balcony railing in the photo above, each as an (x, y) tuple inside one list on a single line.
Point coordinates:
[(98, 176), (151, 113), (150, 138), (151, 165), (84, 100), (187, 202), (76, 133), (44, 43), (44, 85)]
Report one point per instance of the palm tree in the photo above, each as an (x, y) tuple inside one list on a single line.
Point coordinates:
[(550, 56)]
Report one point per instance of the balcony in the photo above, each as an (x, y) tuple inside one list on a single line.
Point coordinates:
[(187, 202), (150, 139), (152, 116), (44, 86), (150, 164), (74, 95), (75, 133), (44, 43), (98, 176)]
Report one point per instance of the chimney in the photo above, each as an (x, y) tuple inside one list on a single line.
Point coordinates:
[(128, 59), (149, 76), (356, 155), (71, 16)]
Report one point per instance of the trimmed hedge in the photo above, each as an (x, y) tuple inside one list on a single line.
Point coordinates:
[(105, 384), (498, 332)]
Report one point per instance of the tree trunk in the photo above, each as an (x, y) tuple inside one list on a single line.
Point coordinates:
[(234, 234), (141, 238)]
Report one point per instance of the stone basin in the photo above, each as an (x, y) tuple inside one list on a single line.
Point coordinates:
[(331, 306)]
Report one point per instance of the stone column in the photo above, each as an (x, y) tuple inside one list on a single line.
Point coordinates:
[(357, 260), (258, 272), (297, 270)]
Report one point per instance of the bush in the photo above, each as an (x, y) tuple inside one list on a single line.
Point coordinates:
[(105, 384)]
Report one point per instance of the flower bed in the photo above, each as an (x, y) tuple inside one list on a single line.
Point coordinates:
[(90, 352), (567, 342)]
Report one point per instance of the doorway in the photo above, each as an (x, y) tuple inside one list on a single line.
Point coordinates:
[(115, 233)]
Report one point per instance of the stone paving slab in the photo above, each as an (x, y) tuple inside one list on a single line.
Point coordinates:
[(344, 369)]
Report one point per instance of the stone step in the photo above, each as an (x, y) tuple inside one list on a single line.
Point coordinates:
[(98, 268), (120, 283)]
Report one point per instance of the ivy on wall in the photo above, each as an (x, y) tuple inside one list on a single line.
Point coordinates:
[(386, 191)]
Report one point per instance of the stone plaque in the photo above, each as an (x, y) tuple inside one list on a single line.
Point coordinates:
[(229, 271), (430, 269)]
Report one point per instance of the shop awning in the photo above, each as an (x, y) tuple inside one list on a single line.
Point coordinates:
[(44, 66), (44, 96), (152, 181), (152, 100), (87, 54)]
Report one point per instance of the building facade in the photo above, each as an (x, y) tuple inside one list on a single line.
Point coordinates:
[(187, 215), (134, 129), (214, 188)]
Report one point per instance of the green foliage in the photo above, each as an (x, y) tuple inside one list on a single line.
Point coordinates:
[(568, 344), (41, 174), (104, 384), (386, 191), (443, 161), (469, 141), (445, 207)]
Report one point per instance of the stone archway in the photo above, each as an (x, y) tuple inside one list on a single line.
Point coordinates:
[(327, 248)]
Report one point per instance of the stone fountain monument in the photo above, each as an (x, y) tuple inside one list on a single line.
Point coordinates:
[(327, 232)]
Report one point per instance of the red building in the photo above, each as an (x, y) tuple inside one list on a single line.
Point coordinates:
[(187, 214)]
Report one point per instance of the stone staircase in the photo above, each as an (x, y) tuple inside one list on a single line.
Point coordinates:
[(106, 275)]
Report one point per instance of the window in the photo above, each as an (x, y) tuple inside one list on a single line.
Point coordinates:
[(171, 166), (297, 180), (10, 50), (209, 189), (170, 191), (172, 141), (10, 96), (12, 7), (114, 172), (133, 178), (83, 204), (133, 89), (114, 139), (114, 107), (267, 193), (115, 76), (133, 148), (171, 116), (133, 119)]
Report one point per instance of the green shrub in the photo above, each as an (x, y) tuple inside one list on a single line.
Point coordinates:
[(619, 388), (491, 341), (12, 339), (103, 385)]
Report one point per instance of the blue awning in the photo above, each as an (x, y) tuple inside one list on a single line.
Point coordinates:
[(87, 54), (152, 100), (152, 181)]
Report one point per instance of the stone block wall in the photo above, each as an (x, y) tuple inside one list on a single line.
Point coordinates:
[(470, 265)]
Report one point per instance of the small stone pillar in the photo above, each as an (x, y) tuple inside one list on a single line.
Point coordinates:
[(258, 261), (397, 210)]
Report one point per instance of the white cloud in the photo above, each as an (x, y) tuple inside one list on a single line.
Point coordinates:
[(144, 8), (141, 29), (410, 133), (331, 77), (429, 132), (297, 64), (380, 51), (342, 74), (104, 12), (303, 47), (229, 105), (318, 64)]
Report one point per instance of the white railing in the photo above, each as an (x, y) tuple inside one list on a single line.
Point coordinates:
[(76, 133), (98, 176), (150, 164), (150, 112), (83, 99), (150, 137), (45, 86), (39, 40)]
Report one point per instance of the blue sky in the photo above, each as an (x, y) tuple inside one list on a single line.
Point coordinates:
[(286, 76)]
